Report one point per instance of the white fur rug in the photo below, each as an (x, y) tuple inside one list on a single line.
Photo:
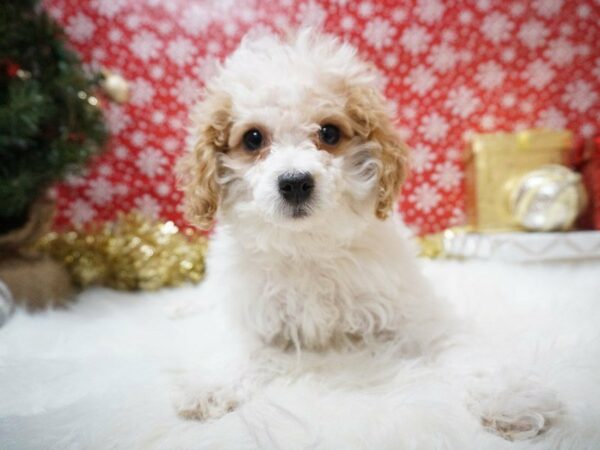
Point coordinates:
[(100, 375)]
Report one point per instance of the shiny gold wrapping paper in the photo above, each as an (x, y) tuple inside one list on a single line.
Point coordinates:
[(128, 254), (496, 161)]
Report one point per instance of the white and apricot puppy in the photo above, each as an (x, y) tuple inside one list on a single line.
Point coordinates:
[(297, 159)]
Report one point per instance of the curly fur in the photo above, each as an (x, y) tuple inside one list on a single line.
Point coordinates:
[(339, 281)]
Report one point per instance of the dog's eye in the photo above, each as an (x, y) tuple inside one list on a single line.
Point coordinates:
[(329, 134), (253, 140)]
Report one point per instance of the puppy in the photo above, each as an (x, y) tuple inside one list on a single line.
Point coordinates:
[(297, 159)]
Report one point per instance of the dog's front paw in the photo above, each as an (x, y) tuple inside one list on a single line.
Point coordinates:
[(516, 410), (209, 403)]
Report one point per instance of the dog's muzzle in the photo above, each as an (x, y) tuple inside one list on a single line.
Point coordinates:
[(296, 189)]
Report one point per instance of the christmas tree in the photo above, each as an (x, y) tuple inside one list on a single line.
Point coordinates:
[(50, 123)]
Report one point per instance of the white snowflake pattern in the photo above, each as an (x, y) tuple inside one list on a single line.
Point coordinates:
[(421, 159), (109, 8), (588, 130), (420, 79), (142, 92), (163, 189), (490, 75), (116, 118), (533, 34), (538, 74), (198, 17), (80, 28), (547, 8), (580, 96), (80, 212), (596, 70), (430, 11), (497, 27), (151, 162), (145, 45), (311, 14), (415, 39), (551, 118), (462, 102), (100, 191), (366, 9), (443, 57), (425, 197), (186, 90), (378, 33), (180, 51), (447, 176), (434, 127), (560, 52), (148, 206)]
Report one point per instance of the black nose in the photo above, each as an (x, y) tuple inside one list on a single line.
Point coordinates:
[(296, 187)]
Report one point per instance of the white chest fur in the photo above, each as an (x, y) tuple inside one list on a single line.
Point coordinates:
[(316, 298)]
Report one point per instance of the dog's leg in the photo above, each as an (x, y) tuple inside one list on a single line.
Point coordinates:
[(209, 394), (514, 408)]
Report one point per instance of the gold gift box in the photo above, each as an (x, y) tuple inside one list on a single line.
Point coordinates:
[(496, 161)]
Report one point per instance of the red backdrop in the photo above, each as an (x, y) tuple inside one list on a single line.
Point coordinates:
[(449, 68)]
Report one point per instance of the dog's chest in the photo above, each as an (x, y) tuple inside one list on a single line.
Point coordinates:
[(322, 303)]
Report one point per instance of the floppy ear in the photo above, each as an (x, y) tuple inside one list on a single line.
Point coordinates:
[(198, 169), (371, 120)]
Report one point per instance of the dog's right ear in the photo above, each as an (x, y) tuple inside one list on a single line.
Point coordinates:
[(198, 169)]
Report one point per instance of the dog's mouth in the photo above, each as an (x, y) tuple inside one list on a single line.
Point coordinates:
[(299, 212)]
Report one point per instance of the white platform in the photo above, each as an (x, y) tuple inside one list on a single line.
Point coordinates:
[(100, 375)]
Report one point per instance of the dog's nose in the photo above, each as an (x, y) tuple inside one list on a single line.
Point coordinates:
[(296, 187)]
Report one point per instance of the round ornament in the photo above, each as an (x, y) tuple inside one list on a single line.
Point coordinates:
[(115, 86), (548, 199)]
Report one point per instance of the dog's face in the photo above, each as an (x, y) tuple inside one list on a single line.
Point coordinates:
[(294, 135)]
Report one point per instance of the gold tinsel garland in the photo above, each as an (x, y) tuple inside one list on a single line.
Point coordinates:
[(130, 253)]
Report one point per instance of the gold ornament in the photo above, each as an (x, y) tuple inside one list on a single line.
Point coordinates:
[(130, 253), (548, 199), (115, 86), (495, 160)]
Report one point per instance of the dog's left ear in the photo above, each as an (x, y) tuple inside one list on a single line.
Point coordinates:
[(371, 120)]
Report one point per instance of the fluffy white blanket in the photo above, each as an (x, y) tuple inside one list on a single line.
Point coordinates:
[(100, 375)]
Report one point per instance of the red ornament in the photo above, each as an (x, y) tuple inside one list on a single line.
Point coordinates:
[(12, 69)]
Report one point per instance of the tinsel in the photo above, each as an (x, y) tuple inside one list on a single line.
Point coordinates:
[(130, 253)]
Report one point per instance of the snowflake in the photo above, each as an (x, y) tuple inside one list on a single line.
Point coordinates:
[(138, 138), (421, 159), (398, 15), (378, 33), (311, 14), (588, 130), (80, 212), (483, 5), (533, 34), (547, 8), (142, 92), (151, 161), (490, 75), (497, 27), (116, 118), (462, 102), (517, 9), (580, 96), (100, 191), (538, 74), (434, 127), (552, 118), (163, 189), (366, 9), (420, 79), (415, 39), (508, 100), (180, 51), (186, 90), (425, 197), (465, 17), (488, 122), (171, 144), (560, 52), (148, 206), (347, 23), (145, 45), (447, 175), (158, 117), (442, 57), (197, 18), (80, 28), (584, 11), (109, 8), (430, 10)]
